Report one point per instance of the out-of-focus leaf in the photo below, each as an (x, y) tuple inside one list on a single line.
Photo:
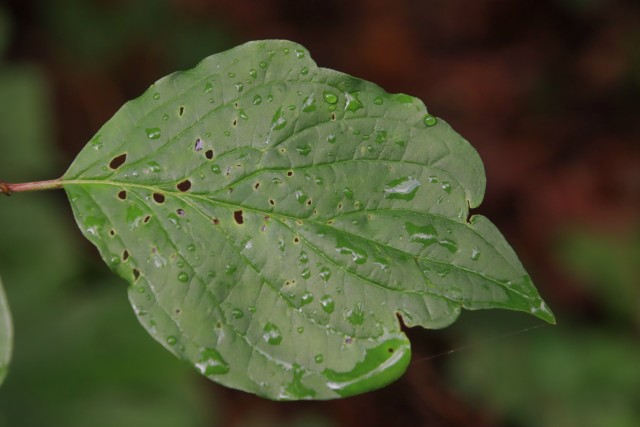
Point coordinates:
[(25, 126), (6, 334), (608, 265), (564, 376), (274, 218), (94, 365)]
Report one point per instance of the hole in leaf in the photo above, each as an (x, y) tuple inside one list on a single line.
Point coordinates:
[(112, 232), (122, 195), (180, 212), (272, 202), (118, 161), (136, 274), (290, 173), (390, 350), (237, 216), (146, 219), (215, 221), (235, 122), (158, 197), (125, 255), (184, 185), (257, 185), (177, 311), (309, 202), (181, 111), (199, 145), (333, 116), (208, 154), (296, 240)]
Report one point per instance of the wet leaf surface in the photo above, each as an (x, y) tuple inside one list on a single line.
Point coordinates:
[(275, 218)]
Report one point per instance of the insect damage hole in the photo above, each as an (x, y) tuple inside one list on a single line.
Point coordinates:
[(238, 218), (158, 197), (125, 255), (184, 185), (118, 161), (181, 111), (122, 195), (199, 145), (136, 274), (208, 154)]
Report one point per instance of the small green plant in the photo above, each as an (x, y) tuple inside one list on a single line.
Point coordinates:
[(278, 222)]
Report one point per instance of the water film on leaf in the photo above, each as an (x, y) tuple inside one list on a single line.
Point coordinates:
[(274, 219)]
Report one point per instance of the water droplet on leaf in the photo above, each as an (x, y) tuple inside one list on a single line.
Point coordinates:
[(279, 121), (430, 120), (272, 334), (327, 303), (153, 133), (352, 104), (303, 149), (307, 298), (330, 97), (403, 188), (212, 363)]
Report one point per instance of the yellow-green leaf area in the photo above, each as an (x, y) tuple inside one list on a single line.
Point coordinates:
[(274, 219)]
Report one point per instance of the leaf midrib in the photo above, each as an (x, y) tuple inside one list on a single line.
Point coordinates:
[(281, 218)]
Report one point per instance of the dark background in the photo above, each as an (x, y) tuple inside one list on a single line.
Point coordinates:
[(546, 91)]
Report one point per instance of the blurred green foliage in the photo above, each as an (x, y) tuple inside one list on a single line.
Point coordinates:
[(607, 264), (79, 352), (96, 32), (567, 375)]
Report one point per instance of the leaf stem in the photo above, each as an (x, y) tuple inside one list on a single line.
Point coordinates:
[(9, 189)]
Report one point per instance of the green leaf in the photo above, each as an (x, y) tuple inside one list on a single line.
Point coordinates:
[(6, 335), (275, 218)]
